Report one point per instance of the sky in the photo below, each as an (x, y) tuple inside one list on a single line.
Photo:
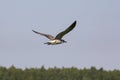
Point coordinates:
[(95, 41)]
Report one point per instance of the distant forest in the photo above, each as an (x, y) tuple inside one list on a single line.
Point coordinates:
[(13, 73)]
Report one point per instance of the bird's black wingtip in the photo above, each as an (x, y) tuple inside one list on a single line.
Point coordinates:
[(75, 21), (34, 31)]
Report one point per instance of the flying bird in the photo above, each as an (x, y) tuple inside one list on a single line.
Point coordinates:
[(58, 39)]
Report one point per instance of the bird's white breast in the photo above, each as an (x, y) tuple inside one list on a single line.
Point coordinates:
[(55, 42)]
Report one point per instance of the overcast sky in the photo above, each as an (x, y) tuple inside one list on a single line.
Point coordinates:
[(95, 41)]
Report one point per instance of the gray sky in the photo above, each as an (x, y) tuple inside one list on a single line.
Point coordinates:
[(95, 41)]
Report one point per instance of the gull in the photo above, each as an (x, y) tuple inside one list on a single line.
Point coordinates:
[(58, 39)]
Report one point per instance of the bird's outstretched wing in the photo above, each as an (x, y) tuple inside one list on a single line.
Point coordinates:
[(61, 34), (46, 35)]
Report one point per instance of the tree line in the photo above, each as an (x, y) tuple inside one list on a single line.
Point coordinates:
[(13, 73)]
